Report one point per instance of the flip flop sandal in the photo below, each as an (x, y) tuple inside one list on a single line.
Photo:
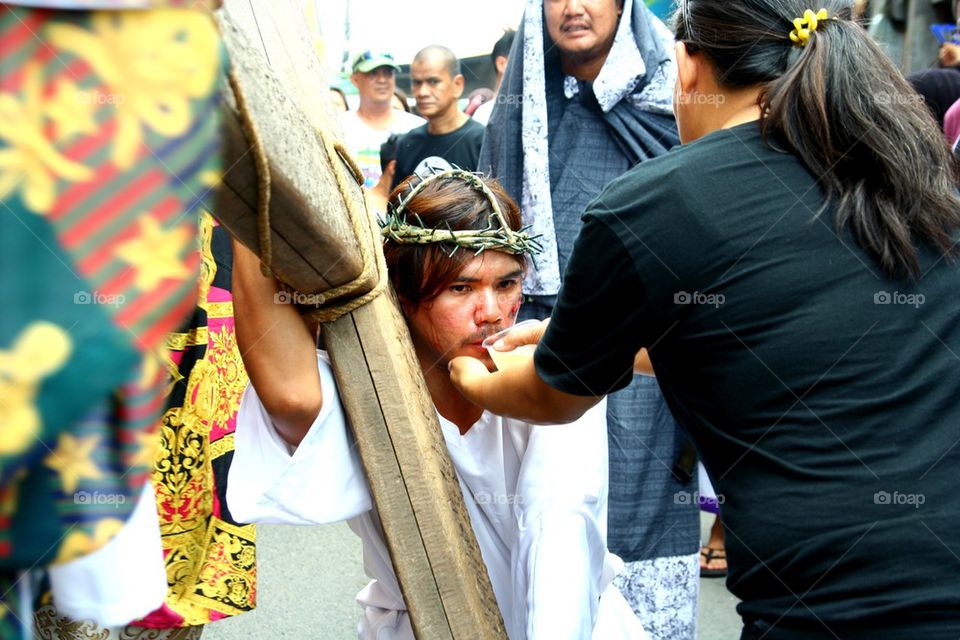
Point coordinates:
[(709, 554)]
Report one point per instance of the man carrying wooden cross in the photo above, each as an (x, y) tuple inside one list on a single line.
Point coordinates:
[(536, 497)]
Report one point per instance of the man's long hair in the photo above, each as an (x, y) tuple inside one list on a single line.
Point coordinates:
[(419, 273)]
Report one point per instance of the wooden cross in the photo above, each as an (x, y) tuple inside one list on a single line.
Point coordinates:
[(435, 554)]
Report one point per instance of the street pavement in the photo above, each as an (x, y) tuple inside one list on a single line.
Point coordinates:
[(308, 577)]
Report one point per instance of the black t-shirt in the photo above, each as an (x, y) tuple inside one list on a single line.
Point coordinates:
[(823, 398), (460, 148)]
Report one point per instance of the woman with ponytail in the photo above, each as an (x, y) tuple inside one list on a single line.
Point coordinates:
[(791, 271)]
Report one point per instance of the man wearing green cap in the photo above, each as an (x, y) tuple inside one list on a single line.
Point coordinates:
[(374, 75)]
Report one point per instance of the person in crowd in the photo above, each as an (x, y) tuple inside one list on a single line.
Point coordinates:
[(437, 84), (902, 28), (378, 195), (949, 55), (536, 497), (593, 99), (951, 123), (713, 555), (939, 88), (338, 99), (374, 76), (400, 100), (500, 56), (792, 271), (477, 98)]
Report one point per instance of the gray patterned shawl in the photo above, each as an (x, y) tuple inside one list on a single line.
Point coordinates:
[(634, 90)]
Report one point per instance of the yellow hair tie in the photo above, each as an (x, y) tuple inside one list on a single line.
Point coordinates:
[(807, 24)]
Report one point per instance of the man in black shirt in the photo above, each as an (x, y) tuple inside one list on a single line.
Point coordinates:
[(436, 84)]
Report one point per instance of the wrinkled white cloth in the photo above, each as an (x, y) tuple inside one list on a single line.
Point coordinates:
[(121, 581), (536, 497), (264, 475)]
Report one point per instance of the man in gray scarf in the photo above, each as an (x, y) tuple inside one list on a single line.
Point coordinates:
[(587, 95)]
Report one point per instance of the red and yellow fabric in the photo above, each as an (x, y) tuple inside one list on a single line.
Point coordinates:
[(210, 559), (109, 125)]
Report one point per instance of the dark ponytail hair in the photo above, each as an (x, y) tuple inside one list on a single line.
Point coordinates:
[(847, 112)]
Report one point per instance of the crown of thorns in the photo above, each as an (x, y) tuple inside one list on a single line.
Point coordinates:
[(497, 236)]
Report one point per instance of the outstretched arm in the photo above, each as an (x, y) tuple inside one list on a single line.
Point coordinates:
[(517, 392), (521, 393), (278, 349)]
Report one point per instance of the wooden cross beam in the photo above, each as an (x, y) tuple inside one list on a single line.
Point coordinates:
[(434, 552)]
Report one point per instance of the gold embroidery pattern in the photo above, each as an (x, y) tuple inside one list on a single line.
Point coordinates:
[(208, 266), (226, 581), (192, 338), (218, 396), (219, 309), (139, 633), (185, 552), (216, 571), (221, 446), (205, 571), (31, 163), (182, 476), (40, 350), (50, 625), (153, 63), (210, 564)]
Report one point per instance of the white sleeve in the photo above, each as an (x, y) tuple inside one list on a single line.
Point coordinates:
[(322, 481), (121, 581), (561, 550)]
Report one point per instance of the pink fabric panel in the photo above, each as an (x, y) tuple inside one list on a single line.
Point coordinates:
[(951, 123)]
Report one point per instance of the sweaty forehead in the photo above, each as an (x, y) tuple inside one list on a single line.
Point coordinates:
[(429, 67), (492, 265)]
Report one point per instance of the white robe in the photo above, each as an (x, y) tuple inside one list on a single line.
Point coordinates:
[(121, 581), (537, 499)]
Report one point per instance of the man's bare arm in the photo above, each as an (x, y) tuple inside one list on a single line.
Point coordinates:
[(278, 349)]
